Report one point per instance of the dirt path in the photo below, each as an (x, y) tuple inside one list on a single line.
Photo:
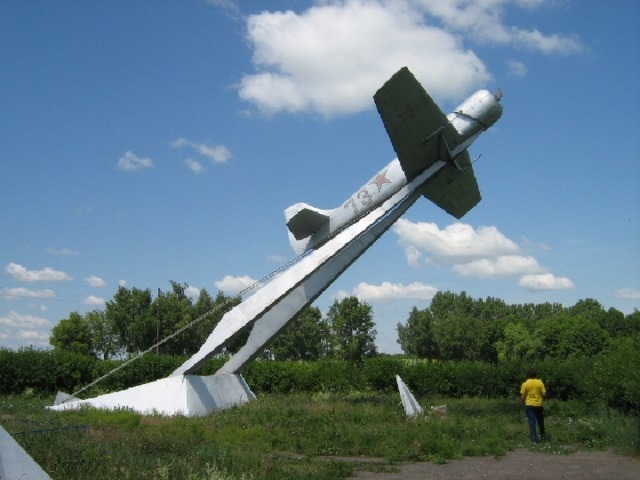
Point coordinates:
[(521, 464)]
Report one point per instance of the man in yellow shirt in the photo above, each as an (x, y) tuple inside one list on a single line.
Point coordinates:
[(532, 392)]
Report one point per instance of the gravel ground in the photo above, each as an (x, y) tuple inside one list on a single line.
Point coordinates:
[(521, 464)]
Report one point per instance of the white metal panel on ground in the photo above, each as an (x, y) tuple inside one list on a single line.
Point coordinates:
[(15, 463)]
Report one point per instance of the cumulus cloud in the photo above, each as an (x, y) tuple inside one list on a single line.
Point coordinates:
[(214, 153), (456, 242), (392, 291), (94, 281), (41, 337), (16, 320), (484, 252), (628, 294), (130, 162), (501, 266), (545, 281), (47, 274), (330, 57), (192, 292), (483, 21), (13, 293), (93, 300), (233, 284)]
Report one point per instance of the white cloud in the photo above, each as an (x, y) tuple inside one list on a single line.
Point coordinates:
[(193, 165), (480, 253), (17, 320), (47, 274), (122, 283), (19, 292), (94, 281), (233, 284), (545, 281), (483, 21), (131, 162), (392, 291), (628, 294), (42, 337), (63, 252), (276, 258), (458, 242), (214, 153), (331, 57), (516, 69), (501, 266), (93, 300), (192, 292), (228, 6)]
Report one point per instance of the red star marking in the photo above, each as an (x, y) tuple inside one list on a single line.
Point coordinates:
[(407, 113), (380, 180)]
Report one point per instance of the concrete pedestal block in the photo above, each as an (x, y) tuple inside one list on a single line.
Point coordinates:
[(187, 395)]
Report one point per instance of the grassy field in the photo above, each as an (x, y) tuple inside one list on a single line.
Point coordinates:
[(297, 436)]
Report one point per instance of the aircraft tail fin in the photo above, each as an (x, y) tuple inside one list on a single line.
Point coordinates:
[(303, 221), (299, 246)]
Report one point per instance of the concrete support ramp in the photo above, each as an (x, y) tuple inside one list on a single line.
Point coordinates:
[(15, 463), (187, 395)]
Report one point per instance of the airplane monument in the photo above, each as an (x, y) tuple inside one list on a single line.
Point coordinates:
[(433, 161)]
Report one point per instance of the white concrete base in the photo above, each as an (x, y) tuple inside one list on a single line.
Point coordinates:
[(187, 395)]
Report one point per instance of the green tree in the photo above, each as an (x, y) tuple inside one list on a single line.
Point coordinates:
[(351, 325), (72, 335), (456, 326), (518, 343), (172, 311), (132, 319), (566, 336), (304, 338), (616, 378), (416, 338), (103, 340), (494, 315)]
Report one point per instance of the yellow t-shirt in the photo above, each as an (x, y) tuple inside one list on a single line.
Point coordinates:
[(533, 388)]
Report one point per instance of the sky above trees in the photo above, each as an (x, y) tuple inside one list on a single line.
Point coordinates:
[(144, 143)]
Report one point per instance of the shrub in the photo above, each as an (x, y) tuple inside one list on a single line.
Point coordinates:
[(616, 375)]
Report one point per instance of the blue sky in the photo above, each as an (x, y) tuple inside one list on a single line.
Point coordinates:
[(145, 141)]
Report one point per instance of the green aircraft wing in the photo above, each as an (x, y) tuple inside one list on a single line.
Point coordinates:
[(420, 133)]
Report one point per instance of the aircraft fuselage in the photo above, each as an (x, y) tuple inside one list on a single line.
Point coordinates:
[(310, 227)]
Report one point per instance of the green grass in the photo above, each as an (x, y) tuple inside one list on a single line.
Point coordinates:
[(297, 436)]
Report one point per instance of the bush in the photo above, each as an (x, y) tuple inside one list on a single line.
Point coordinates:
[(43, 371), (616, 375), (380, 373), (612, 377)]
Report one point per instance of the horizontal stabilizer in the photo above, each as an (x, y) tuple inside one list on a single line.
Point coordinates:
[(455, 191), (304, 220)]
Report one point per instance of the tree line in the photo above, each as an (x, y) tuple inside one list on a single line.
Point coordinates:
[(134, 321), (458, 327), (453, 327)]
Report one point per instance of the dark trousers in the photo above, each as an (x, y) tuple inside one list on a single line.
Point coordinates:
[(535, 414)]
